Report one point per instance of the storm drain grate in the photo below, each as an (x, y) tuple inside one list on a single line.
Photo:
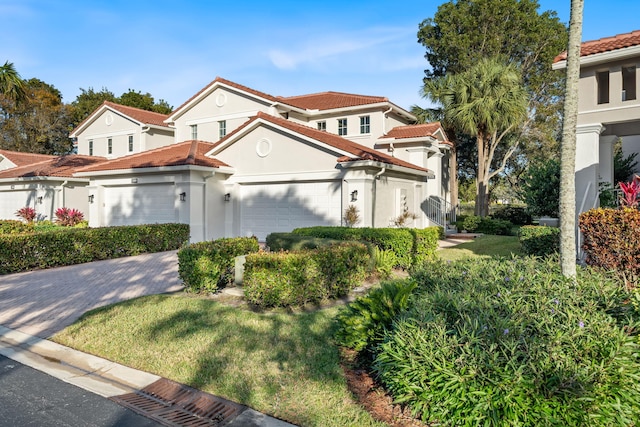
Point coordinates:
[(174, 404)]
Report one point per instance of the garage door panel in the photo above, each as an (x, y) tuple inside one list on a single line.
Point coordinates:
[(12, 201), (282, 207), (143, 204)]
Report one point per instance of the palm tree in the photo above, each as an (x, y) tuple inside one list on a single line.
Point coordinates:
[(488, 101), (568, 145), (11, 85)]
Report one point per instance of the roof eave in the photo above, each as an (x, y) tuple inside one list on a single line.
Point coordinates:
[(603, 57), (388, 166), (158, 169), (44, 178)]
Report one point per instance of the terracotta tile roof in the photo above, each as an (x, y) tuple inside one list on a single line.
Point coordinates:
[(356, 151), (414, 131), (228, 83), (330, 100), (182, 154), (62, 166), (142, 116), (606, 44), (22, 159)]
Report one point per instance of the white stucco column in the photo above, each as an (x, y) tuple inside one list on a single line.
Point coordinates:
[(587, 166), (95, 201), (606, 158)]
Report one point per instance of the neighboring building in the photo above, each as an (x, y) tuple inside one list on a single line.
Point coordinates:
[(609, 109), (242, 162), (44, 183), (115, 130)]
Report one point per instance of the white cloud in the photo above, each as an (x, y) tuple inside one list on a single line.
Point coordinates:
[(357, 48)]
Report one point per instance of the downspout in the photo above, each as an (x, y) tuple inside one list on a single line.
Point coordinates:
[(375, 192), (384, 122), (62, 191)]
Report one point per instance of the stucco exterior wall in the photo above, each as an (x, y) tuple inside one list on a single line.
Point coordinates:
[(221, 104)]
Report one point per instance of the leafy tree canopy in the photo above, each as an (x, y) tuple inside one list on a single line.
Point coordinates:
[(40, 123), (89, 100)]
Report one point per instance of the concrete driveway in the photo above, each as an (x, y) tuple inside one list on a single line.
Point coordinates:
[(44, 302)]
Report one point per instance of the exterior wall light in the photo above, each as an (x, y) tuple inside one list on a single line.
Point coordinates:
[(227, 197), (354, 196), (91, 196), (183, 196), (40, 199)]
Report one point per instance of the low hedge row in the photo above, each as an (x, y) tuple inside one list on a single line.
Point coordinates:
[(14, 226), (205, 266), (282, 279), (485, 225), (296, 242), (539, 240), (411, 246), (23, 252)]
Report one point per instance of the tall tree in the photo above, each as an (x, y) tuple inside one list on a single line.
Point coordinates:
[(144, 101), (464, 31), (488, 101), (568, 146), (11, 84), (38, 124), (88, 101)]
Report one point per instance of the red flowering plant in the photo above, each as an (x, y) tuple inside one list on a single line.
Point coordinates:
[(68, 217), (630, 193), (28, 214)]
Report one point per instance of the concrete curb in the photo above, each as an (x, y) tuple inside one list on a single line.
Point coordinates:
[(89, 372), (95, 374)]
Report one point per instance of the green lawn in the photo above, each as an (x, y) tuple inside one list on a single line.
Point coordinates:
[(485, 246), (282, 364)]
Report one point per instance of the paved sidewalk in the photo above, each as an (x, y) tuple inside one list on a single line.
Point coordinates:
[(43, 302)]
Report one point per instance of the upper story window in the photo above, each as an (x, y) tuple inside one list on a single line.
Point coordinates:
[(222, 128), (602, 79), (629, 83), (110, 146), (342, 127), (131, 143), (322, 126), (365, 124), (91, 148), (194, 132)]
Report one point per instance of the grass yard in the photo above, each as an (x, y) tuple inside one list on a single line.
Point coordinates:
[(485, 246), (285, 365)]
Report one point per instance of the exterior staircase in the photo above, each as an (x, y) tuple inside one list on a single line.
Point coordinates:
[(442, 213)]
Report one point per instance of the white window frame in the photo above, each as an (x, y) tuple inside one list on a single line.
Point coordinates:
[(322, 126), (222, 129), (109, 145), (131, 143), (365, 124), (194, 132), (342, 127), (91, 147)]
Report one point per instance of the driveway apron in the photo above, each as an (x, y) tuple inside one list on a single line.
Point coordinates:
[(44, 302)]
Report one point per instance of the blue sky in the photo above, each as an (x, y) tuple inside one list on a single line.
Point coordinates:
[(172, 49)]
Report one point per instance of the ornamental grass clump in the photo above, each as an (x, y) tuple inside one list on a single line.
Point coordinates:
[(512, 342)]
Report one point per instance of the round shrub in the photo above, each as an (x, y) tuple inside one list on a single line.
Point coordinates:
[(541, 189), (512, 342), (516, 215)]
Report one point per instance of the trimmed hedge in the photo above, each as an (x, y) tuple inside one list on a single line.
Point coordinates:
[(612, 241), (205, 266), (516, 215), (283, 279), (539, 240), (14, 226), (296, 242), (23, 252), (485, 225), (411, 246)]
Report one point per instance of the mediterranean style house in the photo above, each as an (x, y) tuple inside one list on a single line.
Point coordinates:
[(233, 161), (608, 110)]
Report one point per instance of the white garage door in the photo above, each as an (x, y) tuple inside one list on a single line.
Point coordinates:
[(11, 201), (139, 204), (268, 208)]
